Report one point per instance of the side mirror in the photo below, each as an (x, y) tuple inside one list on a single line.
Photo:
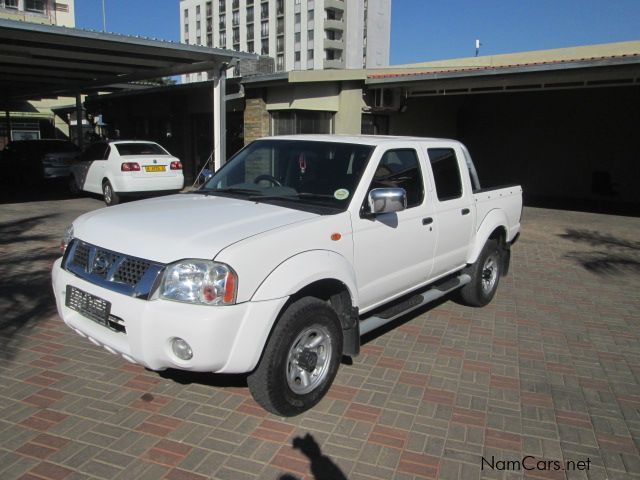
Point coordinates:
[(387, 200)]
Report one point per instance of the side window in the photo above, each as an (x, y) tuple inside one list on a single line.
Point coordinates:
[(446, 173), (400, 169), (95, 152)]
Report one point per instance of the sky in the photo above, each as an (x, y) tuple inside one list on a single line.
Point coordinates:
[(424, 30)]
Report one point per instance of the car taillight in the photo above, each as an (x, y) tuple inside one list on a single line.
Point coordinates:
[(130, 167), (177, 165)]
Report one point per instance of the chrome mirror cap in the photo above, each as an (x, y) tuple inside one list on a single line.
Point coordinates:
[(387, 200)]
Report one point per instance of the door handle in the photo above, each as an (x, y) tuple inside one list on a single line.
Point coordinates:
[(427, 221), (465, 211)]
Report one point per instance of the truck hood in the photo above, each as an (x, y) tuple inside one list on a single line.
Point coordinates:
[(171, 228)]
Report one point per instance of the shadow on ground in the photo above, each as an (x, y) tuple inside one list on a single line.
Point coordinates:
[(322, 467), (25, 280), (20, 192), (609, 255)]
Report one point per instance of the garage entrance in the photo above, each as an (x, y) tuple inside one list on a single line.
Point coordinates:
[(571, 142)]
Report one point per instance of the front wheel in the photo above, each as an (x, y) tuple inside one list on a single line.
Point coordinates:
[(110, 197), (485, 276), (301, 359)]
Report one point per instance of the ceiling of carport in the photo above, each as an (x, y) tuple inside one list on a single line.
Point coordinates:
[(43, 61)]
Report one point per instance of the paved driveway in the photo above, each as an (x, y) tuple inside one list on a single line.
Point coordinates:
[(548, 372)]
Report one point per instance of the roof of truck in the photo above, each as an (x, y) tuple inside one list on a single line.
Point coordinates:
[(360, 139)]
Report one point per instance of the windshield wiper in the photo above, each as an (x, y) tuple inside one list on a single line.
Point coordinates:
[(290, 196), (211, 191)]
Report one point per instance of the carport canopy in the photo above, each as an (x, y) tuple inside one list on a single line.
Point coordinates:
[(46, 61)]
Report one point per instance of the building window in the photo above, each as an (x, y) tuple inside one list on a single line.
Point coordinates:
[(209, 9), (197, 11), (280, 26), (198, 41), (222, 6), (310, 36), (280, 44), (9, 4), (296, 19), (223, 40), (249, 32), (236, 18), (186, 12), (310, 15), (186, 29), (296, 38), (250, 47), (310, 54), (280, 62), (280, 7), (209, 40), (264, 29), (235, 4), (264, 10), (265, 46), (209, 25), (287, 122), (35, 6), (249, 14), (236, 35), (296, 56), (222, 23)]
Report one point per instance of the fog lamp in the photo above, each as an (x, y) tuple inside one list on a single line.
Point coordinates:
[(181, 349)]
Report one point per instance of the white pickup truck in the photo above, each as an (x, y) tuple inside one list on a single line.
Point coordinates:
[(291, 252)]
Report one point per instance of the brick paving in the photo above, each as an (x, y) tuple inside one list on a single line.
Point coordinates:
[(549, 370)]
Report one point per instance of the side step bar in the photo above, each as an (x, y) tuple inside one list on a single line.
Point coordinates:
[(416, 301)]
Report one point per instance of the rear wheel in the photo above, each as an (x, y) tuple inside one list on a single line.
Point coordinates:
[(485, 276), (109, 195), (300, 360)]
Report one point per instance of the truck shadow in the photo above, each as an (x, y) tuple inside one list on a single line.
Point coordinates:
[(25, 280), (609, 255)]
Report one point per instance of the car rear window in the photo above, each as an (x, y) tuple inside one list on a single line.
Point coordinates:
[(125, 149)]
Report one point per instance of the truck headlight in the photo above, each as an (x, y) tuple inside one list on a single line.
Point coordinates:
[(66, 239), (199, 281)]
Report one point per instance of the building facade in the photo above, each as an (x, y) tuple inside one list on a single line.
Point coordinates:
[(298, 34), (58, 12)]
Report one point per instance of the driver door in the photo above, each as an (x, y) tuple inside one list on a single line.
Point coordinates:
[(394, 251)]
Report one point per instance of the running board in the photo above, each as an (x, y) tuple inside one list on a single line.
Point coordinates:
[(412, 303)]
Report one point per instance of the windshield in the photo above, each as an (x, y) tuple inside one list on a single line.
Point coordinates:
[(301, 171), (125, 149)]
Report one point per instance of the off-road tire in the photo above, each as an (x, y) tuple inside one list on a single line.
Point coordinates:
[(479, 292), (109, 194), (269, 383)]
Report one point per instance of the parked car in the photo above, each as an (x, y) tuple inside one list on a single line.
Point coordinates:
[(287, 255), (127, 168), (37, 160)]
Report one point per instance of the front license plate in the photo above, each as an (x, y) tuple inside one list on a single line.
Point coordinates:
[(154, 168), (90, 306)]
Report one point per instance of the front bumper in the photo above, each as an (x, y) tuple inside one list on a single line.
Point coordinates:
[(224, 339)]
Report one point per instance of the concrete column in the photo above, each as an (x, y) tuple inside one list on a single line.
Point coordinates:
[(219, 117), (348, 118), (256, 116), (79, 115)]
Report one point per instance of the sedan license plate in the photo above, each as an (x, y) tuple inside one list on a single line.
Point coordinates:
[(90, 306), (154, 168)]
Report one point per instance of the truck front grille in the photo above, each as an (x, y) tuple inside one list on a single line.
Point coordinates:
[(112, 270)]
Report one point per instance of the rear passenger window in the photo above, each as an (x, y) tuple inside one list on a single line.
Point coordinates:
[(400, 169), (446, 173)]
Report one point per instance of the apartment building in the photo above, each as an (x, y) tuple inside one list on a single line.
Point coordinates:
[(59, 12), (298, 34)]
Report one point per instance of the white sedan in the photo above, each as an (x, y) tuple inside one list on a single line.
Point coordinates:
[(126, 168)]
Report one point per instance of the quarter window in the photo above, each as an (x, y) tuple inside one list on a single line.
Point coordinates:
[(400, 169), (446, 173)]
